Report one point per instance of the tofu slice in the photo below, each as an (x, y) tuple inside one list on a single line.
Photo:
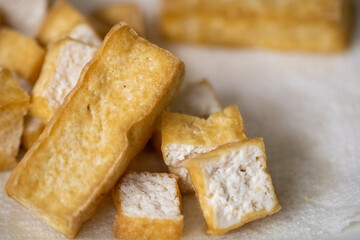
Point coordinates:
[(33, 127), (60, 21), (148, 207), (297, 25), (14, 102), (114, 13), (197, 99), (185, 136), (102, 124), (62, 67), (233, 185), (21, 54), (23, 15)]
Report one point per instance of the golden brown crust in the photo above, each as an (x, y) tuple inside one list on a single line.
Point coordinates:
[(220, 128), (21, 54), (59, 20), (320, 31), (195, 168), (114, 13), (126, 227), (95, 127), (14, 103)]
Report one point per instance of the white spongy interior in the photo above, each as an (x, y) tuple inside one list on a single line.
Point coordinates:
[(147, 195), (72, 58), (238, 185), (83, 32)]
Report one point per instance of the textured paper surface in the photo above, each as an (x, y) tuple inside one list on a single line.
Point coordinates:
[(307, 108)]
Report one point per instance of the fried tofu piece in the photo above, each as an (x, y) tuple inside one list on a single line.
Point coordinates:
[(148, 207), (197, 99), (233, 185), (114, 13), (23, 15), (62, 67), (185, 136), (102, 124), (14, 102), (21, 54), (33, 127), (309, 28), (60, 21)]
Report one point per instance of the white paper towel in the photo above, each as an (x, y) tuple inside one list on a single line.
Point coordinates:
[(307, 108)]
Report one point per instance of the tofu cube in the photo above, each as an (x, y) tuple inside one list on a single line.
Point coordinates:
[(185, 136), (148, 207), (233, 185), (14, 102), (21, 54)]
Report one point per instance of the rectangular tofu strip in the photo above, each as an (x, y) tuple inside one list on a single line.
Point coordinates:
[(233, 185), (103, 123), (148, 207), (311, 26)]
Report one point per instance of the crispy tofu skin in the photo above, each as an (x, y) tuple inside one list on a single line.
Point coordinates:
[(103, 123), (121, 12), (14, 103), (242, 195), (308, 29), (21, 54), (153, 193), (60, 19)]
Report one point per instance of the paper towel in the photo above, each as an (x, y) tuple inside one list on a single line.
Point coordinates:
[(307, 108)]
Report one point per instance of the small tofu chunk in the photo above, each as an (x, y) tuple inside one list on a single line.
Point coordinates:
[(85, 33), (148, 207), (14, 102), (233, 185), (197, 99), (21, 54), (61, 19), (185, 136), (114, 13), (23, 15), (62, 67)]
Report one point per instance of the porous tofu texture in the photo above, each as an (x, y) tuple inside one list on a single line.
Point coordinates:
[(233, 185), (14, 103), (103, 123), (150, 195), (63, 64), (185, 136), (21, 54), (148, 207)]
